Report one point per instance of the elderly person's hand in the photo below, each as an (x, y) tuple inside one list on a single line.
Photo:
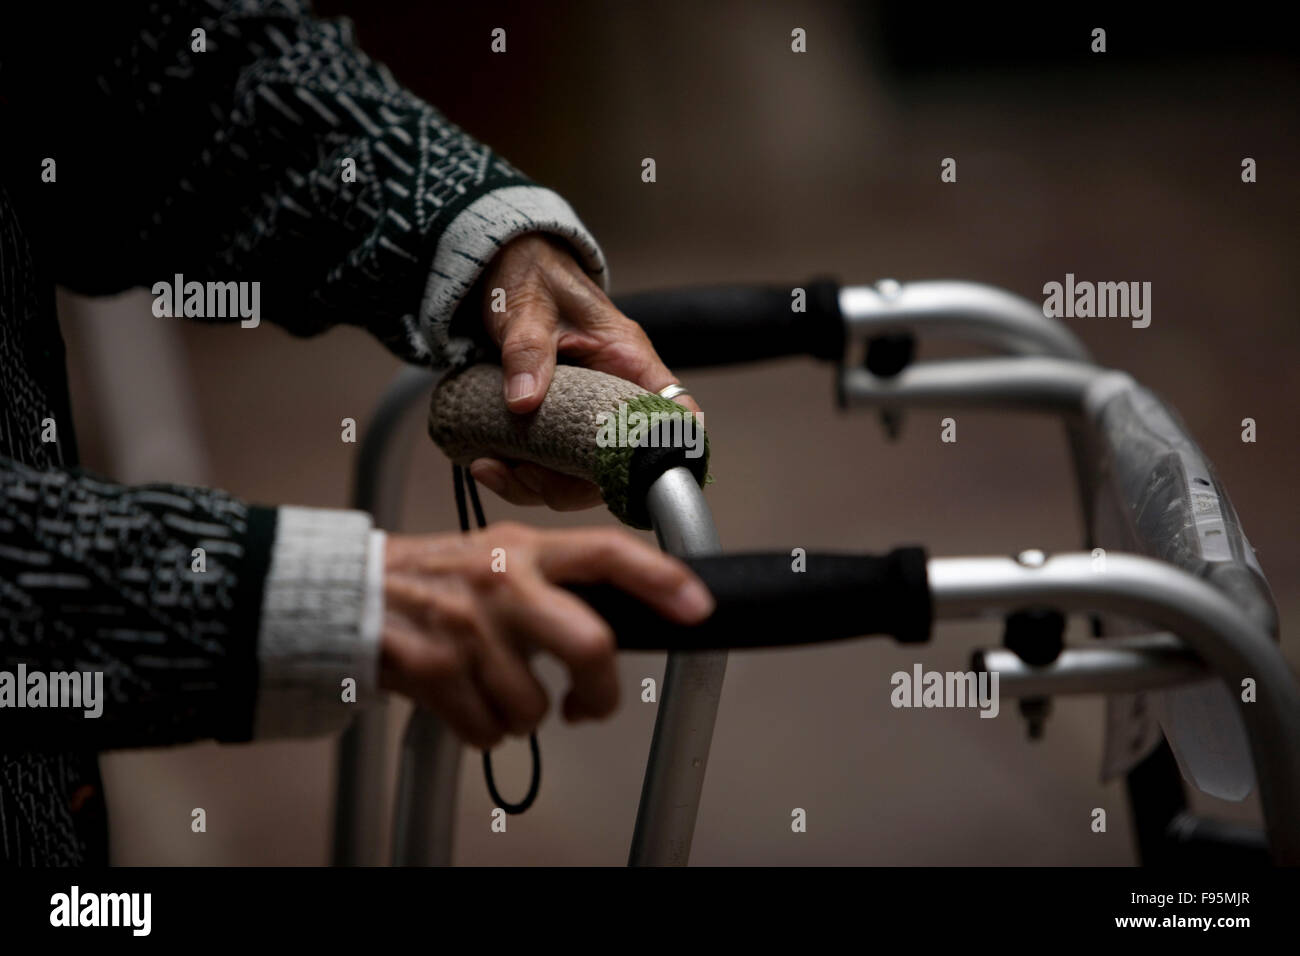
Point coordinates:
[(552, 307), (459, 632)]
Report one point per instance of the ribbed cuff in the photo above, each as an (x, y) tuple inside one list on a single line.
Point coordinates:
[(473, 239), (321, 613)]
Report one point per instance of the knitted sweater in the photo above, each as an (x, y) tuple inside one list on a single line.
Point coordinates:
[(211, 141)]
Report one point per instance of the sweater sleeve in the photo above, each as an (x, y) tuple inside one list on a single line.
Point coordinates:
[(161, 614), (318, 643), (249, 142)]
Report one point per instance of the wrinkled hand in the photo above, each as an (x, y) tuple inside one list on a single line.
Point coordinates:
[(459, 631), (552, 306)]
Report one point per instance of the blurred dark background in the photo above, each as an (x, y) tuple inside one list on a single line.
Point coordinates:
[(776, 166)]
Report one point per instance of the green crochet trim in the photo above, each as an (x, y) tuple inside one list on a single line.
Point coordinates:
[(617, 441)]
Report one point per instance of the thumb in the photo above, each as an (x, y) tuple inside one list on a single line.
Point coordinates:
[(528, 356)]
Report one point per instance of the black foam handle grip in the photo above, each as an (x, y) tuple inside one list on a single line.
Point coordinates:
[(764, 601), (725, 325)]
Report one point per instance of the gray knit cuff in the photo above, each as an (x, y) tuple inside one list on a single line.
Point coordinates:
[(319, 623), (473, 239)]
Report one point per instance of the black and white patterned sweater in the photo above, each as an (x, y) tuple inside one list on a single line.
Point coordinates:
[(219, 164)]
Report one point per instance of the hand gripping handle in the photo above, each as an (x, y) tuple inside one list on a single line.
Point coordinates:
[(590, 425)]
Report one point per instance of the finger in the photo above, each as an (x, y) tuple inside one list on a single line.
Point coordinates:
[(655, 377), (425, 671), (464, 707), (591, 696), (657, 579), (575, 708), (608, 341), (528, 343), (556, 621), (561, 492), (687, 402), (498, 477), (595, 331), (641, 364), (513, 690)]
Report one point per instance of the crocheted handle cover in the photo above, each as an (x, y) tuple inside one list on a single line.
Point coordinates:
[(591, 425)]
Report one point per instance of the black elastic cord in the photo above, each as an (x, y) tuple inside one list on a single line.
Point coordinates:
[(478, 505), (533, 785), (459, 481)]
